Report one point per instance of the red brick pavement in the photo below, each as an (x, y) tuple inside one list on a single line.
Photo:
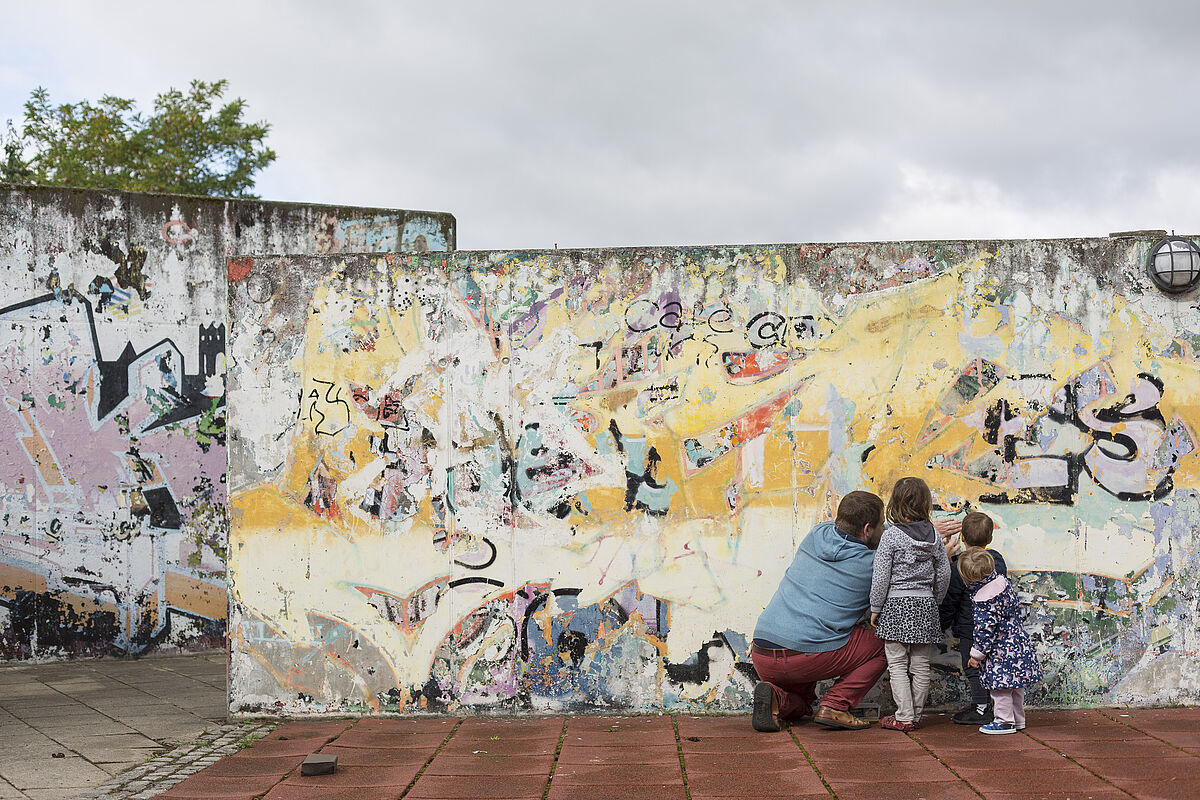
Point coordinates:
[(1062, 755)]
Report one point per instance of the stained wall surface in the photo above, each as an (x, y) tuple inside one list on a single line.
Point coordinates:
[(113, 508), (572, 479)]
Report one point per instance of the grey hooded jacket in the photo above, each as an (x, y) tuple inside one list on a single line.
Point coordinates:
[(910, 562)]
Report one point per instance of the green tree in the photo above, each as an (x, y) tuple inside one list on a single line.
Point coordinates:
[(191, 144)]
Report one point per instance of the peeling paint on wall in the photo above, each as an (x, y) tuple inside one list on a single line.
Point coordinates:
[(113, 508), (572, 479)]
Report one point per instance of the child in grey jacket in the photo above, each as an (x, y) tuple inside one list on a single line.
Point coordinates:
[(912, 574)]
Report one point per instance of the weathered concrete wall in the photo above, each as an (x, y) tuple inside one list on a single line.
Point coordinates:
[(113, 517), (573, 479)]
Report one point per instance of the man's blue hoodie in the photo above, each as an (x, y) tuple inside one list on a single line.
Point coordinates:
[(822, 595)]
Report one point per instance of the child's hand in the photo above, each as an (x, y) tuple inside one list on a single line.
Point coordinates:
[(874, 619), (973, 662)]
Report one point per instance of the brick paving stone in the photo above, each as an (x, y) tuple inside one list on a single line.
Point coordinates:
[(590, 774), (931, 790), (652, 754), (747, 761), (514, 747), (355, 738), (235, 766), (1164, 788), (441, 725), (719, 726), (201, 785), (291, 792), (1105, 793), (866, 769), (657, 791), (507, 786), (1143, 768), (787, 783), (627, 723), (1143, 746), (822, 795), (526, 725), (696, 745), (1182, 738), (608, 738), (1033, 780), (493, 765), (378, 756)]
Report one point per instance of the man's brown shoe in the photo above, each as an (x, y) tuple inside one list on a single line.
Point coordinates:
[(842, 720)]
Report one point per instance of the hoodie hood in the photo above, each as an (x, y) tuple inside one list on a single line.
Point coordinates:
[(831, 544), (922, 531)]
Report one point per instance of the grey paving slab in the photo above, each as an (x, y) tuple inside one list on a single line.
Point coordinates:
[(73, 771)]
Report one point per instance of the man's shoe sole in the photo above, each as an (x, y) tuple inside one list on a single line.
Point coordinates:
[(761, 718), (840, 726)]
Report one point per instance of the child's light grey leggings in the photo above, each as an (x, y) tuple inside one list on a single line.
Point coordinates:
[(905, 659)]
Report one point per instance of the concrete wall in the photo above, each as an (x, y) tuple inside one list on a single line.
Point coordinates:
[(113, 516), (531, 481)]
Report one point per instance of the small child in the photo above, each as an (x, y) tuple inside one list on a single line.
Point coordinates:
[(1009, 662), (910, 578), (956, 614)]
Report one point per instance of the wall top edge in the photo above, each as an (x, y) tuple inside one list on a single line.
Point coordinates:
[(6, 187), (975, 244)]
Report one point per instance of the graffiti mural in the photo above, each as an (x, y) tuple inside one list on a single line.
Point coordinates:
[(572, 479), (113, 418)]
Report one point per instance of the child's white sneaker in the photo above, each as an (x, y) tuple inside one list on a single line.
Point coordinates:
[(998, 728)]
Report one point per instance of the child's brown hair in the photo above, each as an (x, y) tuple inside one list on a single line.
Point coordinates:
[(977, 529), (910, 501), (975, 564)]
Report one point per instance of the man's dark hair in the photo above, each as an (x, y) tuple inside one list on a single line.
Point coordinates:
[(910, 501), (977, 529), (857, 510)]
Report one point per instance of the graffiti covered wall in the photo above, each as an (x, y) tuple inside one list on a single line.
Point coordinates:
[(572, 479), (113, 509)]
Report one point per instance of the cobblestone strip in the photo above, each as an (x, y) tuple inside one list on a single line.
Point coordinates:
[(162, 772)]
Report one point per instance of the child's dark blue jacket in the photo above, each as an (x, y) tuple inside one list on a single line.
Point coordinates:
[(1000, 641)]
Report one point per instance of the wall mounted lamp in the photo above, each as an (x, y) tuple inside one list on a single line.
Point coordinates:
[(1174, 264)]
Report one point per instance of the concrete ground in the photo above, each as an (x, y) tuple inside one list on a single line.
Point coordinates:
[(67, 727), (1081, 755)]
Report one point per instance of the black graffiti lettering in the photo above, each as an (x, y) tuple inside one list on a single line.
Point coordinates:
[(597, 346), (805, 326), (629, 323), (725, 314), (671, 319), (1125, 437), (764, 329)]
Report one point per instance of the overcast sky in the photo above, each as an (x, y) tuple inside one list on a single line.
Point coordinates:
[(636, 123)]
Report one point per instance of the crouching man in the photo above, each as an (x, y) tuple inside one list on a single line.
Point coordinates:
[(809, 631)]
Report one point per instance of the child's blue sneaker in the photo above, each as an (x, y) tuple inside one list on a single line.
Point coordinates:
[(998, 727)]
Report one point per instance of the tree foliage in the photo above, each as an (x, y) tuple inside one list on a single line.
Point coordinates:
[(191, 144)]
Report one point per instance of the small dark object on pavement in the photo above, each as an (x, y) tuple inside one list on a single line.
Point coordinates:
[(318, 764)]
